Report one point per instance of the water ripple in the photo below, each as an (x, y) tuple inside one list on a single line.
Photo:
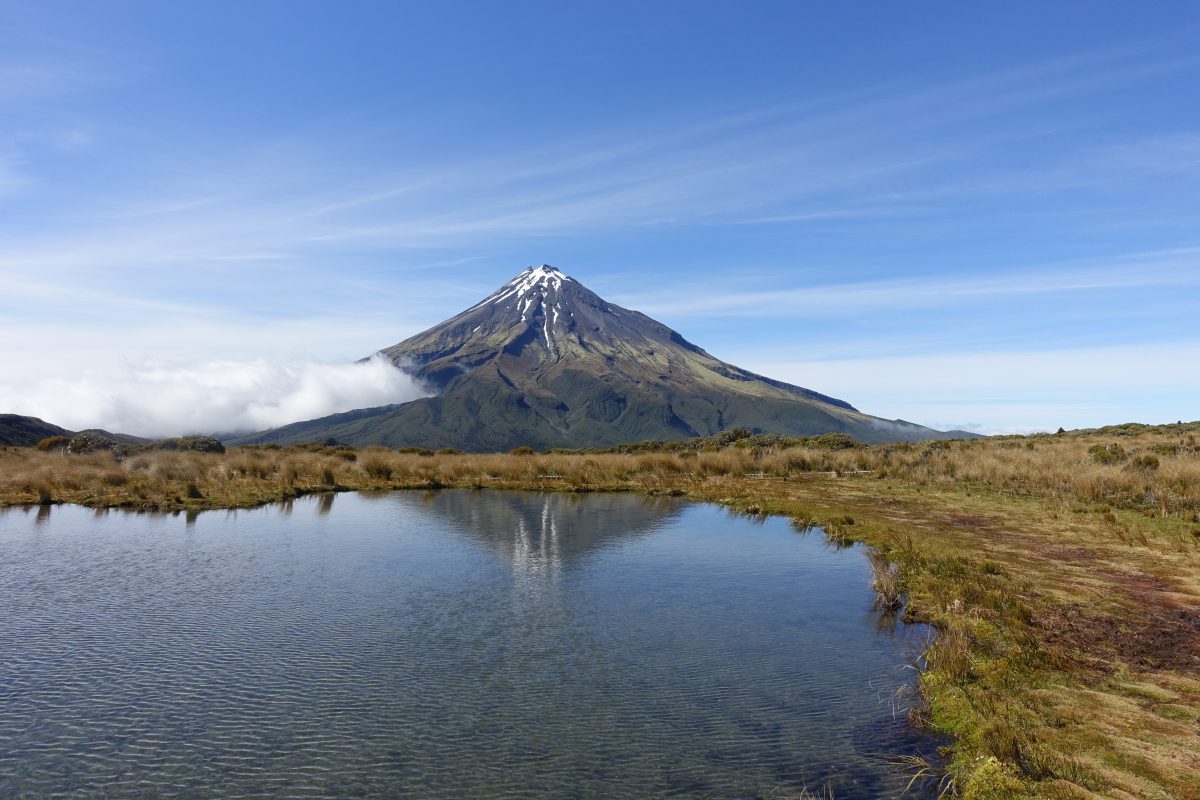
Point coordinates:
[(445, 645)]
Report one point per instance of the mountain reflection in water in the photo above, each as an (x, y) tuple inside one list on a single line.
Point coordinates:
[(442, 644), (540, 532)]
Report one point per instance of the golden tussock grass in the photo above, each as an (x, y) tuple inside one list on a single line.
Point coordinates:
[(1061, 573)]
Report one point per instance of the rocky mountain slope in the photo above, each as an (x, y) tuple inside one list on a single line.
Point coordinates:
[(543, 361)]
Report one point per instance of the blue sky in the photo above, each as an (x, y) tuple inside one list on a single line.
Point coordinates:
[(980, 215)]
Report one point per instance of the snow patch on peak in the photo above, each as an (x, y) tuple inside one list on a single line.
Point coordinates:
[(544, 276), (531, 279)]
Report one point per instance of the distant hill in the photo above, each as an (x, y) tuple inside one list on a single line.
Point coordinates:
[(18, 431), (545, 362)]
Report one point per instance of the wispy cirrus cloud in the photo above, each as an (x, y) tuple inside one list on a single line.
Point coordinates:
[(23, 81), (1175, 268), (12, 176), (879, 153), (337, 235)]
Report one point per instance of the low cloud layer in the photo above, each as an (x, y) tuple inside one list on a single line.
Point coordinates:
[(156, 399)]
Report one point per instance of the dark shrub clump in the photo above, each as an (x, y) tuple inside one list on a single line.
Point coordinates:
[(197, 444), (90, 442), (833, 441), (1107, 453)]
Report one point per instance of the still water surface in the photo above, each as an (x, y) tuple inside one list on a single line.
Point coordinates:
[(452, 644)]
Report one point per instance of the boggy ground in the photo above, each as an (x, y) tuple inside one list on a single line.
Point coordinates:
[(1061, 572)]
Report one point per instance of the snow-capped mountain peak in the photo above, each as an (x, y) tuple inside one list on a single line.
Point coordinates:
[(546, 362)]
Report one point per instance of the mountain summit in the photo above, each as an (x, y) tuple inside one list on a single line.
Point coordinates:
[(544, 361), (544, 326)]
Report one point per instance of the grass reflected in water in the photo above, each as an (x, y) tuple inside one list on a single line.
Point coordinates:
[(444, 644)]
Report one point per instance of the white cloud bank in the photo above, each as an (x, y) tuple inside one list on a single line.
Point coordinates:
[(156, 399)]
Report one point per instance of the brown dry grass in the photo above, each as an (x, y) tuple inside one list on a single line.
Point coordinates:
[(1046, 467), (1064, 589)]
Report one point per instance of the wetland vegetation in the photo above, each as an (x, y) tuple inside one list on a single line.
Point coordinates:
[(1062, 572)]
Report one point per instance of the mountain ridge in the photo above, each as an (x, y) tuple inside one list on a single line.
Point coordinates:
[(17, 430), (543, 361)]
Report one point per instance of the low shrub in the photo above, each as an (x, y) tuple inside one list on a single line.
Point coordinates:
[(91, 442), (1107, 453), (197, 444), (833, 441)]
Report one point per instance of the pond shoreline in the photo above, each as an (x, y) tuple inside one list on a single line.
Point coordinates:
[(710, 649), (1029, 676)]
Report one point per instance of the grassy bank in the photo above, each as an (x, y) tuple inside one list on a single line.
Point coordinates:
[(1062, 572)]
